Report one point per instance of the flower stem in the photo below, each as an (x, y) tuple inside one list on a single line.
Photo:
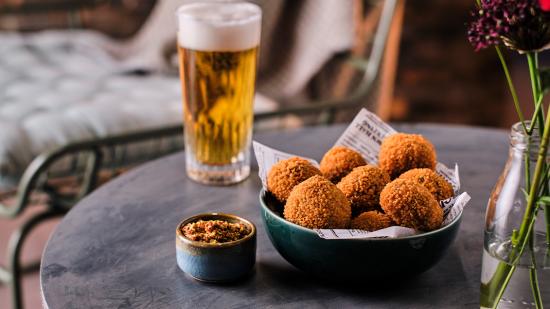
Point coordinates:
[(535, 86), (511, 87), (546, 181), (535, 119), (535, 288), (500, 280), (526, 228), (532, 59), (492, 292), (547, 218), (526, 224), (539, 82), (533, 277), (504, 274)]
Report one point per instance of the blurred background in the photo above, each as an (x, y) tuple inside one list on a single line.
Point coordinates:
[(434, 76), (434, 54)]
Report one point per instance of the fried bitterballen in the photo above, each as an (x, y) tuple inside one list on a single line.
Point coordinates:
[(339, 161), (371, 221), (286, 174), (410, 204), (435, 183), (362, 187), (317, 203), (401, 152)]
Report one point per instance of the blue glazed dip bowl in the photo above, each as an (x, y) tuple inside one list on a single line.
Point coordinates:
[(353, 259), (219, 262)]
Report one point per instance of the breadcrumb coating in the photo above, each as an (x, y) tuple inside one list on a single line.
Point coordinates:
[(286, 174), (317, 203), (435, 183), (362, 187), (410, 204), (339, 161), (401, 152), (371, 221)]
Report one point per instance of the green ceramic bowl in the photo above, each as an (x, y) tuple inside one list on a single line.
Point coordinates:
[(353, 259)]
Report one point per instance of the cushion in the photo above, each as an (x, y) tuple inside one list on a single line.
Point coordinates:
[(59, 87)]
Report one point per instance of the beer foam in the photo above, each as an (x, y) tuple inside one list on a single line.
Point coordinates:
[(219, 26)]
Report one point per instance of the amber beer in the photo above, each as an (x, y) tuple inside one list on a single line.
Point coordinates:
[(218, 91), (218, 50)]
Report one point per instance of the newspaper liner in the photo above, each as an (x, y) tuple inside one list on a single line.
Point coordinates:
[(365, 135)]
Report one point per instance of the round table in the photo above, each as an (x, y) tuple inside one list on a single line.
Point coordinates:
[(116, 248)]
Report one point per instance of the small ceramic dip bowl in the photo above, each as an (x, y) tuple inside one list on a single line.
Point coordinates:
[(216, 262)]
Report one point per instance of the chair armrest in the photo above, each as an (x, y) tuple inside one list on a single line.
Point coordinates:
[(41, 164)]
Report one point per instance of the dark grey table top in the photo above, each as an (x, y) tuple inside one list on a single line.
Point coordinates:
[(116, 248)]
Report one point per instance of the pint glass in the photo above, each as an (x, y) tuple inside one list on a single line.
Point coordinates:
[(218, 49)]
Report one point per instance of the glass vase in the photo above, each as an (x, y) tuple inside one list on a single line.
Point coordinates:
[(503, 266)]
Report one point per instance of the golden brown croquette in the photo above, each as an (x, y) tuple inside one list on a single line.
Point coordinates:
[(401, 152), (286, 174), (435, 183), (410, 204), (317, 203), (362, 187), (371, 221), (339, 161)]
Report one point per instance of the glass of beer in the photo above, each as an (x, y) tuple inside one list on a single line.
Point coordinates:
[(218, 50)]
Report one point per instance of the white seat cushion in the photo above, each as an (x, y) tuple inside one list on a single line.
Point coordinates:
[(61, 87)]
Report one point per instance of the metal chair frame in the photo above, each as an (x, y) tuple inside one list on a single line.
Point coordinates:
[(59, 203)]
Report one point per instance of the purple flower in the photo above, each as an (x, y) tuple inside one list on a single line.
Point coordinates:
[(519, 24)]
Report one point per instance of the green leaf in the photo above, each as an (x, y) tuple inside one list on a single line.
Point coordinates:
[(545, 79), (545, 200), (525, 194)]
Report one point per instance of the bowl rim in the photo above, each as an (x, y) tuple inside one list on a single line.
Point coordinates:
[(194, 243), (310, 231)]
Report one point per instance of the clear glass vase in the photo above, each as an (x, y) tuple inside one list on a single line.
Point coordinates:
[(505, 212)]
